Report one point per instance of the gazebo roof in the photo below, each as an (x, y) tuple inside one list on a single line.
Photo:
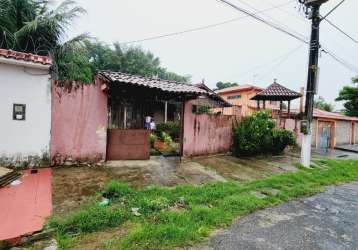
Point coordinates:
[(277, 92)]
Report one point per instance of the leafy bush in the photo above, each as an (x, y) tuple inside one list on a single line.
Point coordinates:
[(171, 128), (252, 135), (257, 134), (116, 189), (152, 139), (203, 110), (281, 138), (166, 138)]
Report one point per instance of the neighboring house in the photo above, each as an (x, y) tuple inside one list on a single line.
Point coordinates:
[(25, 106), (240, 96), (329, 129)]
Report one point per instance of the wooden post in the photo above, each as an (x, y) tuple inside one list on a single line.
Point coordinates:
[(125, 117), (165, 112), (264, 104), (288, 109), (258, 104), (181, 153)]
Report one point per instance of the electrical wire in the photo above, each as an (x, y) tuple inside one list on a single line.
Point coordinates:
[(298, 37), (340, 30), (260, 19), (202, 27), (286, 55), (335, 7)]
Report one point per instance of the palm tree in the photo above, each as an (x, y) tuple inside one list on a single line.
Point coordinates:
[(32, 26)]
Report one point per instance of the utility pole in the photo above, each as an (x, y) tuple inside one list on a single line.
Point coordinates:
[(306, 125)]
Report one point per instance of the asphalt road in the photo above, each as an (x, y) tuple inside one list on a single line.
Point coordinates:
[(325, 221)]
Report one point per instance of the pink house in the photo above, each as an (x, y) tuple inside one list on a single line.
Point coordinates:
[(105, 120)]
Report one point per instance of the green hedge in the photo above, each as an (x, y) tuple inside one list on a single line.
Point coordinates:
[(257, 134)]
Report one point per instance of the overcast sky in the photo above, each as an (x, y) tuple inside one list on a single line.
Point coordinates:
[(244, 51)]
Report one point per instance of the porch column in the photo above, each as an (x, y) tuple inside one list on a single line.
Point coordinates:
[(258, 104), (264, 104), (125, 117), (165, 112), (288, 109)]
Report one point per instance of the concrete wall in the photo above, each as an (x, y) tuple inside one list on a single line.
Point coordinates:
[(79, 122), (206, 134), (343, 132), (20, 139)]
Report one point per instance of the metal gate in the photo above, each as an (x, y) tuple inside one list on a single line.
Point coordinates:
[(128, 144), (324, 135)]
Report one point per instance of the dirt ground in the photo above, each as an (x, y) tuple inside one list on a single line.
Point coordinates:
[(163, 171), (247, 169), (73, 185)]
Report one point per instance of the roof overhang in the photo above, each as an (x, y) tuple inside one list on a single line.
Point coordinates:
[(27, 64)]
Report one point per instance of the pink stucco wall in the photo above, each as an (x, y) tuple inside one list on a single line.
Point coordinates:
[(79, 121), (206, 134)]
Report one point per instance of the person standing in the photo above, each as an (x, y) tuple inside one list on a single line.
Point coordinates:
[(147, 121)]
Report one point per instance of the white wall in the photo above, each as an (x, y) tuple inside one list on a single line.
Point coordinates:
[(30, 86)]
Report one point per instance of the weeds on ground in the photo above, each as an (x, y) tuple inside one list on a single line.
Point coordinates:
[(185, 214)]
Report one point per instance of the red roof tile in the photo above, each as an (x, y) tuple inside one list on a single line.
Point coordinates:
[(27, 57), (164, 85), (317, 113)]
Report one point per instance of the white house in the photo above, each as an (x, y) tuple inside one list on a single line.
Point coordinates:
[(25, 107)]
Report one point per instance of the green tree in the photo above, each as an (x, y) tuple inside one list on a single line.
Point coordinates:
[(349, 94), (320, 103), (224, 85), (32, 26), (131, 60)]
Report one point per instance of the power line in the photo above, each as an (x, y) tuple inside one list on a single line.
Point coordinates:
[(340, 30), (335, 7), (272, 19), (298, 37), (286, 55), (282, 60), (260, 19), (203, 27)]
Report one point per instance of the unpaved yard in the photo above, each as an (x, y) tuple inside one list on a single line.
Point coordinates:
[(247, 169), (73, 185)]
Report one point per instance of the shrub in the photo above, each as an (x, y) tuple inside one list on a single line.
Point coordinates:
[(116, 189), (253, 134), (171, 128), (152, 139), (166, 138), (281, 138)]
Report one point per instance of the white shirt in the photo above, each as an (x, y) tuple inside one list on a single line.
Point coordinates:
[(148, 119)]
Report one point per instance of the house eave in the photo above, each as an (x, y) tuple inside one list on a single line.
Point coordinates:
[(20, 63)]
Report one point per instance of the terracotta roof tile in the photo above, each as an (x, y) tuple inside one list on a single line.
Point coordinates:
[(164, 85), (330, 115), (276, 92), (28, 57)]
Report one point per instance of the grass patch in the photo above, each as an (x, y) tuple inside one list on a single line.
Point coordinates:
[(186, 214)]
